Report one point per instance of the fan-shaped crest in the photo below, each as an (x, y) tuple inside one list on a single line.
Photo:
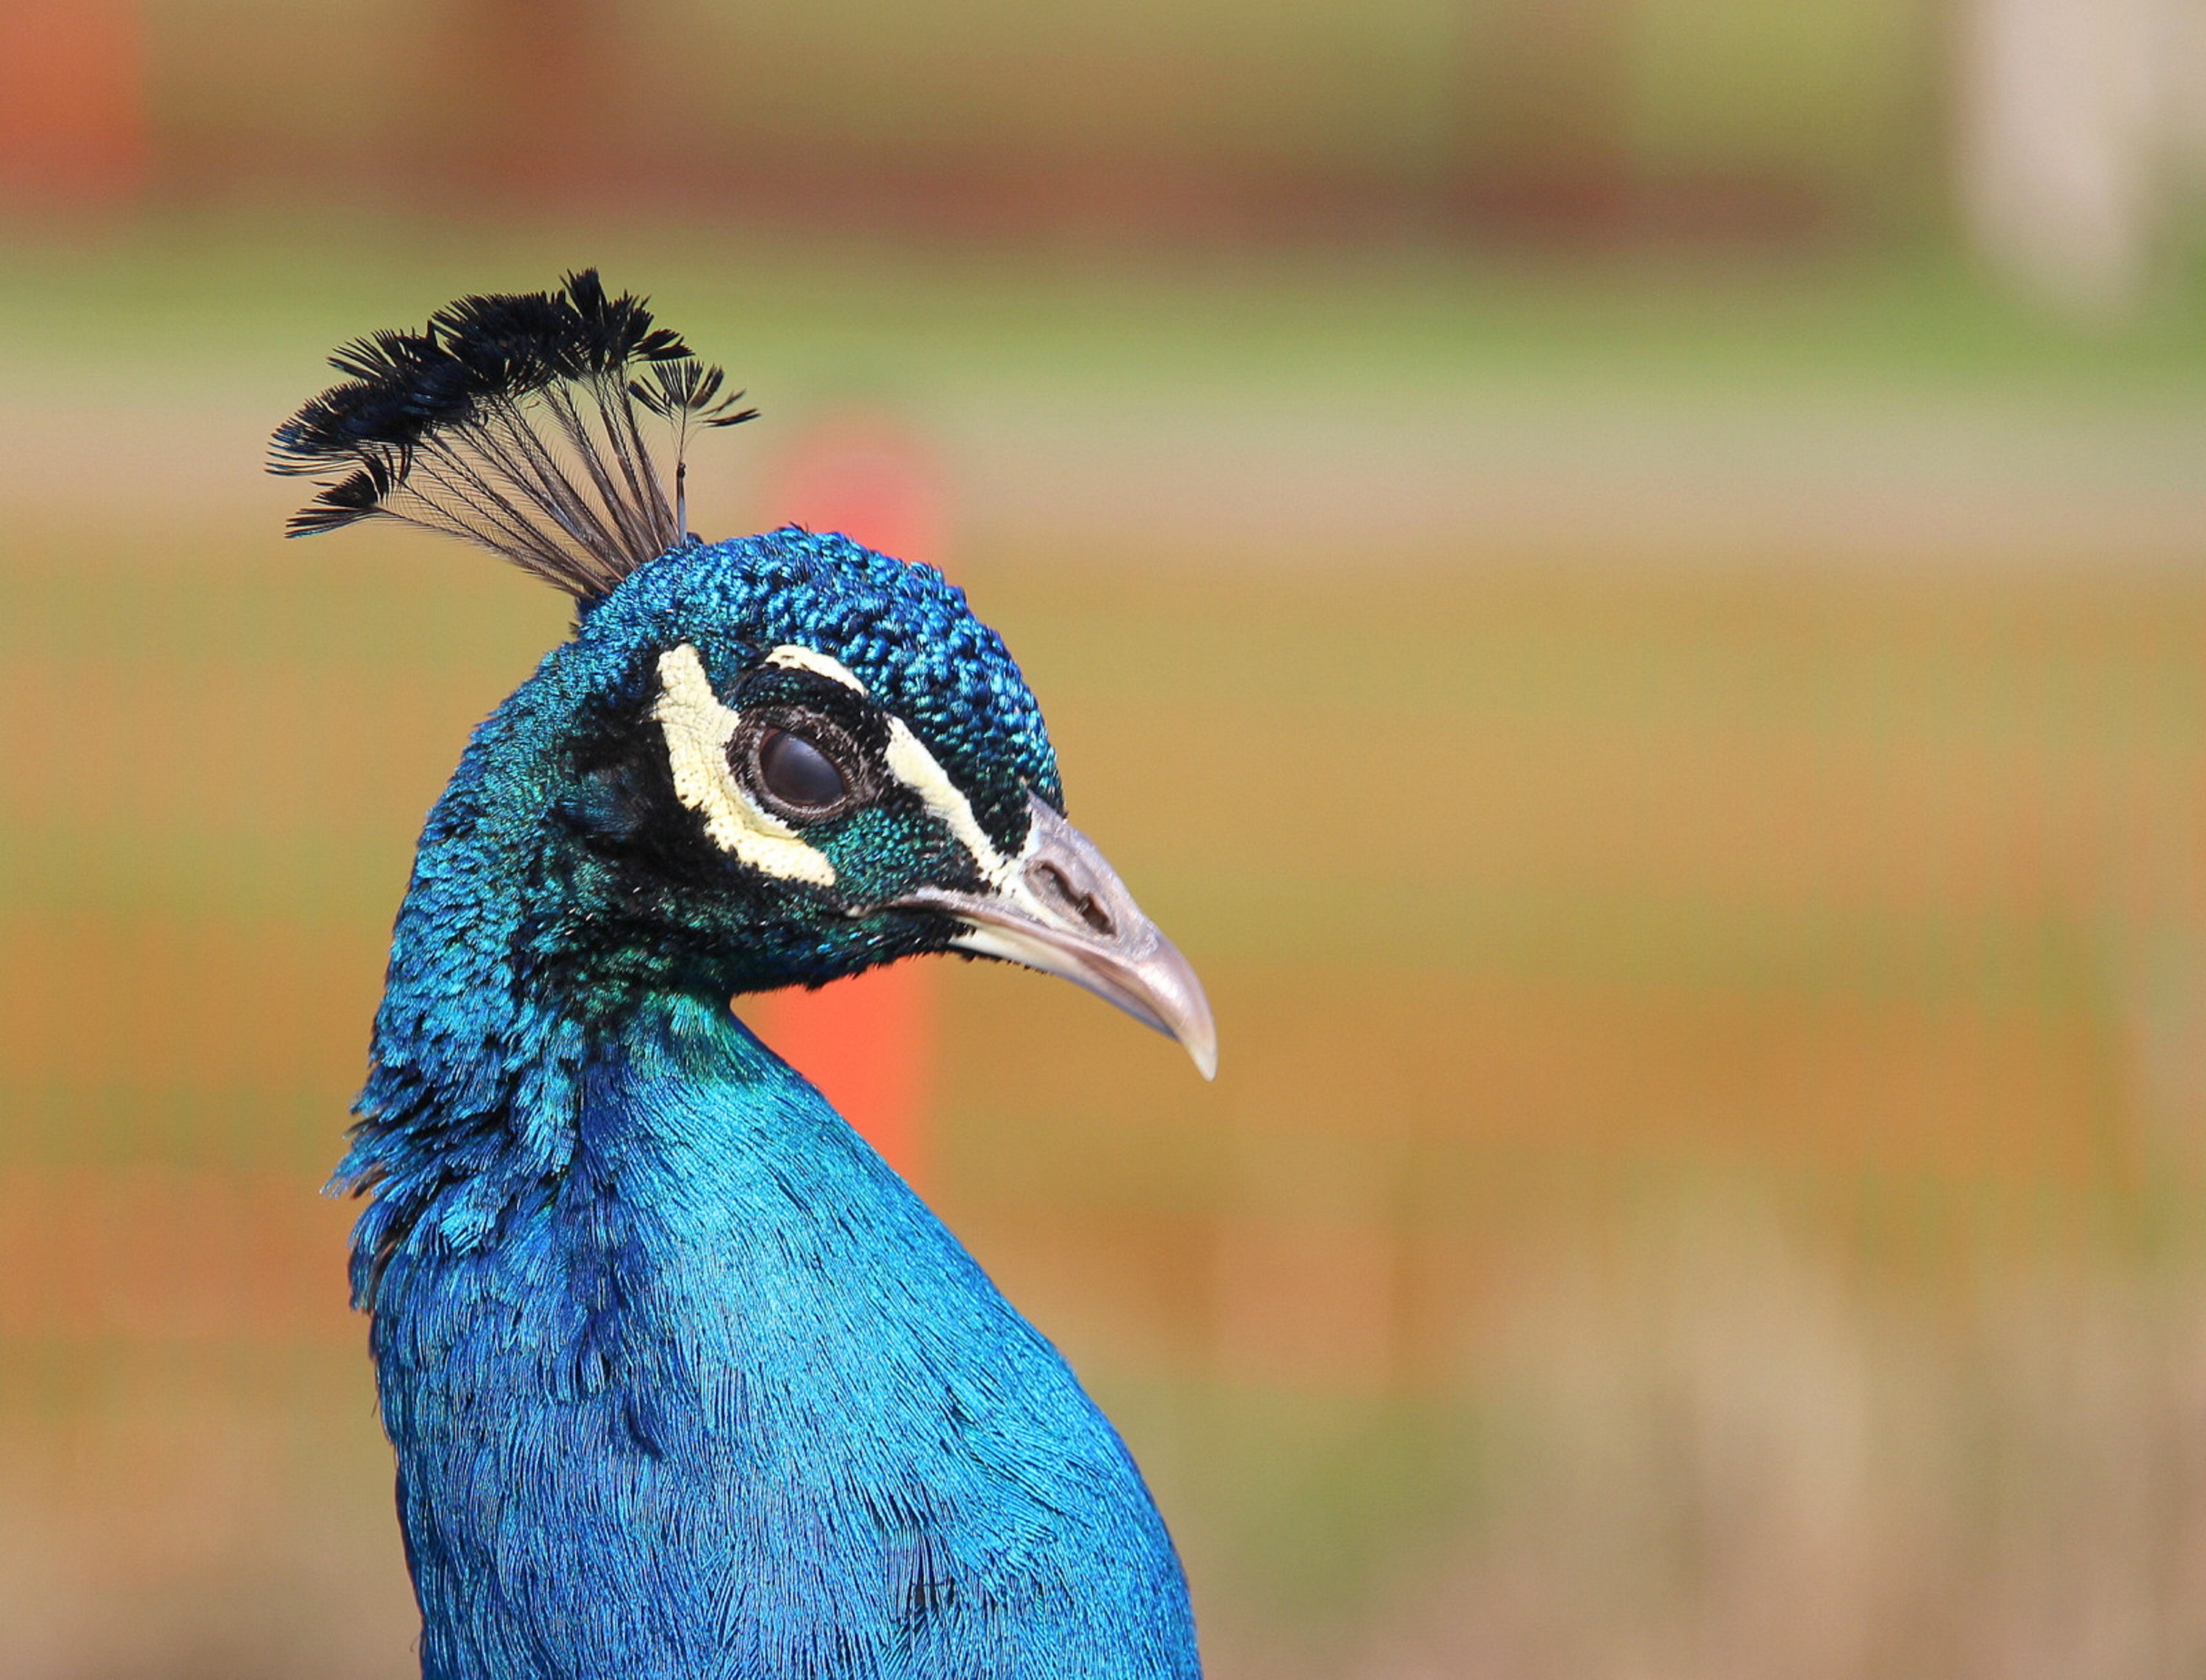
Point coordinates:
[(516, 421)]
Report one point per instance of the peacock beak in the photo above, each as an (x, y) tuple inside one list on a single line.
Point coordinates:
[(1064, 911)]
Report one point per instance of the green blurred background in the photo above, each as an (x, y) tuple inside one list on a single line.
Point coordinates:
[(1623, 574)]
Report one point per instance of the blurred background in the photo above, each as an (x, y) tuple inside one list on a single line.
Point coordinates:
[(1627, 576)]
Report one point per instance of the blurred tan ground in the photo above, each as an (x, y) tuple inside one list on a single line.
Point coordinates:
[(1703, 1176)]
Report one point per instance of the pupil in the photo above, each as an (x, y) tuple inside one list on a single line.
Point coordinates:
[(796, 772)]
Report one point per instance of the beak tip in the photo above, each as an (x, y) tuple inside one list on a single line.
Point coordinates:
[(1199, 1038)]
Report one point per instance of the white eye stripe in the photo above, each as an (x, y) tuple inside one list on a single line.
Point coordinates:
[(911, 764), (697, 729), (789, 657)]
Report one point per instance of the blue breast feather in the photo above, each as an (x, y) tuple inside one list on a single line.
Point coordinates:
[(683, 1380), (728, 1400)]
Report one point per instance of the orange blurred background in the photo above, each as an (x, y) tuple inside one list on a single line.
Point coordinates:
[(1623, 575)]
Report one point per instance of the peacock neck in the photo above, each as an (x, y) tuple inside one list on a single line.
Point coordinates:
[(498, 1039)]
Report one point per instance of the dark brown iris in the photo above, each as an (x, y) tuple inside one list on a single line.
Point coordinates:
[(797, 773)]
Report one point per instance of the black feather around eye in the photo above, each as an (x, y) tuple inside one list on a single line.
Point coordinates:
[(513, 420)]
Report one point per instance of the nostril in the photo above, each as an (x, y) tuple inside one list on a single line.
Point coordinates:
[(1094, 915), (1054, 886)]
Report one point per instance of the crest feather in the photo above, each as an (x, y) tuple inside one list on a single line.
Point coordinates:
[(516, 421)]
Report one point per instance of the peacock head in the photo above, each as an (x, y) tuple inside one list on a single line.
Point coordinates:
[(771, 761)]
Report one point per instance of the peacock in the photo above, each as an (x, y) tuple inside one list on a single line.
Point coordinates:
[(682, 1379)]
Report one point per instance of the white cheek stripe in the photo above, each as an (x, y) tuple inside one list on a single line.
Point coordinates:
[(698, 729), (789, 657), (911, 764)]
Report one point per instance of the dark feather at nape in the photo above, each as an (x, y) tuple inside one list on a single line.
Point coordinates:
[(516, 421)]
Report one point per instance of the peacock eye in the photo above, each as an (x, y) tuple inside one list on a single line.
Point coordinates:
[(797, 776), (798, 764), (797, 773)]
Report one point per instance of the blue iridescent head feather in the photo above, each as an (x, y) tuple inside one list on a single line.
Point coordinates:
[(905, 630), (642, 886)]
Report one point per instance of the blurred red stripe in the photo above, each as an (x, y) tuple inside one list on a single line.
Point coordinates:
[(867, 1042)]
